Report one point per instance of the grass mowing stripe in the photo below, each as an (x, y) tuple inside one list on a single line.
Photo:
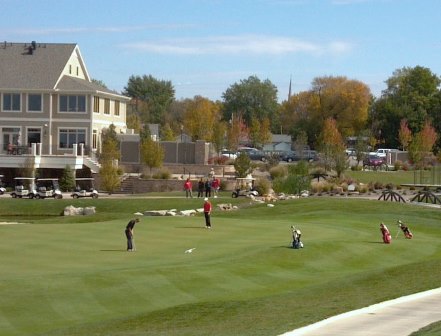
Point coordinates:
[(242, 278)]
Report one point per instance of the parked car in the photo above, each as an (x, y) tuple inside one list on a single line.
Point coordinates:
[(308, 155), (350, 151), (373, 161), (229, 154), (257, 155), (382, 152)]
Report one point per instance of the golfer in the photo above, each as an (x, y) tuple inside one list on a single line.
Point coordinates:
[(129, 234), (207, 212)]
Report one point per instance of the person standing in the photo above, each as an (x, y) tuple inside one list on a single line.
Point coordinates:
[(207, 213), (129, 234), (201, 187), (207, 188), (215, 186), (188, 187)]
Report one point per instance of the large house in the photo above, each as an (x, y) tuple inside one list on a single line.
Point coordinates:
[(50, 109)]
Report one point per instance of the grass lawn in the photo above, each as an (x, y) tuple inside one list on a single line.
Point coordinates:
[(433, 329), (72, 275), (395, 177)]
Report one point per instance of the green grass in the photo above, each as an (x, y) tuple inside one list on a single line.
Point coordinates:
[(433, 329), (395, 177), (72, 275)]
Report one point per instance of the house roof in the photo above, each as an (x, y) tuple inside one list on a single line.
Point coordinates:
[(39, 71), (24, 68)]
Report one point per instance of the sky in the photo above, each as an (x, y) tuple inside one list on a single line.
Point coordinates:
[(205, 46)]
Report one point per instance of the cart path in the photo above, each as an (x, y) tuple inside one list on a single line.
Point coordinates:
[(398, 317)]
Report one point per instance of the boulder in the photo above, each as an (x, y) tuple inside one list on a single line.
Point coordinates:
[(73, 211)]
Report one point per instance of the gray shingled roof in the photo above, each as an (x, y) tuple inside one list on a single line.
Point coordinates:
[(39, 71)]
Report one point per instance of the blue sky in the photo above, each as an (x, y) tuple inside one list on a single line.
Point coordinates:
[(205, 46)]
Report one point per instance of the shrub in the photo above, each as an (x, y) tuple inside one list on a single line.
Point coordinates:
[(278, 171), (390, 186), (163, 174), (356, 168), (398, 165), (219, 160), (262, 186), (378, 185)]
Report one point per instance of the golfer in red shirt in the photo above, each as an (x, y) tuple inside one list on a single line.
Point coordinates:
[(207, 212)]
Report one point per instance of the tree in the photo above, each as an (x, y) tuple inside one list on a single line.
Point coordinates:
[(99, 82), (134, 122), (404, 134), (422, 144), (152, 154), (255, 132), (167, 133), (242, 165), (236, 131), (332, 146), (251, 98), (199, 118), (110, 180), (344, 100), (411, 94), (109, 145), (218, 136), (67, 180), (265, 132), (156, 94)]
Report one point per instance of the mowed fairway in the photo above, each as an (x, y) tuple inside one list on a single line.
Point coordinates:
[(72, 276)]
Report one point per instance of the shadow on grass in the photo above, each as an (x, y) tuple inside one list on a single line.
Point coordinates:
[(113, 250), (190, 227)]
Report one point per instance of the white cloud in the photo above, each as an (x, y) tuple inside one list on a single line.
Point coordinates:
[(242, 45)]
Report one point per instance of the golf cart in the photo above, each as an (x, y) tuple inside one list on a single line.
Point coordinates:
[(2, 188), (244, 187), (24, 187), (84, 188), (48, 187)]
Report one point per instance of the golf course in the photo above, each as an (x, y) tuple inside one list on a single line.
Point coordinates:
[(72, 275)]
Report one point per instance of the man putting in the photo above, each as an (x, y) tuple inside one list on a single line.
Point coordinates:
[(129, 234)]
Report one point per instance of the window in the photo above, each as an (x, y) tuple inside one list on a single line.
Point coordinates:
[(34, 135), (68, 137), (117, 108), (34, 103), (70, 69), (73, 104), (94, 139), (107, 106), (96, 104), (11, 102)]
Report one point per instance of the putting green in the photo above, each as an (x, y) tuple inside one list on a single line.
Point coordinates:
[(72, 276)]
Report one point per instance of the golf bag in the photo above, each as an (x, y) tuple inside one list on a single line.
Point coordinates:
[(387, 238), (405, 230), (296, 242)]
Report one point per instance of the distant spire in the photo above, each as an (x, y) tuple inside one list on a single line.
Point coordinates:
[(289, 91)]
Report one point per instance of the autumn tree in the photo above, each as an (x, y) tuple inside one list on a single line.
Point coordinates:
[(250, 98), (242, 165), (422, 144), (265, 132), (109, 175), (332, 147), (152, 154), (254, 133), (404, 134), (134, 122), (167, 133), (236, 131), (218, 137), (199, 118)]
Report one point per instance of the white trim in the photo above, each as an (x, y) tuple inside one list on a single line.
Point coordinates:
[(86, 129), (11, 93)]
